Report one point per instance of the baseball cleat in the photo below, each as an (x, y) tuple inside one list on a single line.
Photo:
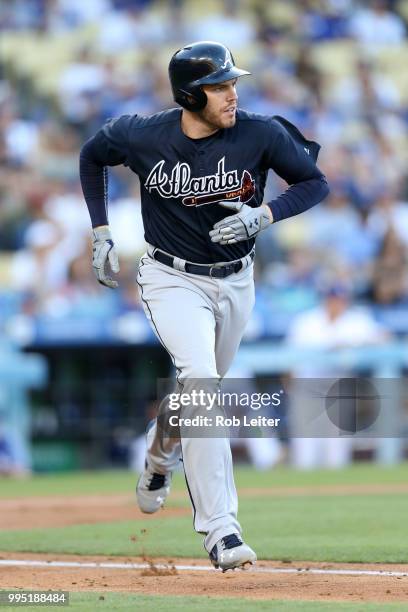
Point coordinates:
[(151, 490), (231, 552)]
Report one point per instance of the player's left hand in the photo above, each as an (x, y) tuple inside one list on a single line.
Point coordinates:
[(247, 223)]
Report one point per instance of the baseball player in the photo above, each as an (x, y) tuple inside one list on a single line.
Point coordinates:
[(202, 171)]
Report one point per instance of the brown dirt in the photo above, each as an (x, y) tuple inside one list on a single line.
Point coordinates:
[(28, 513), (61, 511), (249, 584), (70, 510)]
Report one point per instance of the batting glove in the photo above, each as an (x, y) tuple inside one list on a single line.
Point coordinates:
[(247, 223), (104, 252)]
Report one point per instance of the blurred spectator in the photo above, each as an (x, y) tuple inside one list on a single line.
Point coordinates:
[(280, 97), (272, 56), (57, 158), (70, 14), (375, 25), (78, 295), (80, 83), (130, 29), (356, 244), (390, 214), (64, 207), (366, 92), (235, 30), (21, 136), (327, 20), (333, 324), (6, 457), (23, 14), (308, 73), (42, 266), (390, 278), (9, 464), (15, 452)]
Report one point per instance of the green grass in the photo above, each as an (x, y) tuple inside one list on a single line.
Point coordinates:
[(351, 528), (76, 483), (91, 602)]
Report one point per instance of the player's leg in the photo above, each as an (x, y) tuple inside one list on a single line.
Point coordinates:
[(181, 310), (236, 301), (169, 305)]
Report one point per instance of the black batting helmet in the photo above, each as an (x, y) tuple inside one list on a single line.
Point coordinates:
[(201, 63)]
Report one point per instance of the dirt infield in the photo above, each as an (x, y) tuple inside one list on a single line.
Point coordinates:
[(257, 583), (61, 511), (47, 511), (268, 580)]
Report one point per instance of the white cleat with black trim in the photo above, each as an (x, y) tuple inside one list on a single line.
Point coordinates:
[(231, 552), (152, 490)]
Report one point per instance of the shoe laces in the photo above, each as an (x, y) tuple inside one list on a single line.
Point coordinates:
[(157, 481), (230, 541)]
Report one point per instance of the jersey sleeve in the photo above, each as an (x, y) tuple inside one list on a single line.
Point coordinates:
[(111, 142), (289, 153), (109, 147)]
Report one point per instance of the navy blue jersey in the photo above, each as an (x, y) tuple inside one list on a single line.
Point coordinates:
[(183, 179)]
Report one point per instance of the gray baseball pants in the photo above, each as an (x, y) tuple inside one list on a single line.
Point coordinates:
[(200, 322)]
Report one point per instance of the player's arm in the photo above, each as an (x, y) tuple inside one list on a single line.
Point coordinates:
[(109, 147), (293, 158)]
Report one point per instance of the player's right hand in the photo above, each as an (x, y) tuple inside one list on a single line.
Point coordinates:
[(246, 224), (104, 252)]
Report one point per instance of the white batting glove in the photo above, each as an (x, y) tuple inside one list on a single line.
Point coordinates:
[(103, 252), (246, 224)]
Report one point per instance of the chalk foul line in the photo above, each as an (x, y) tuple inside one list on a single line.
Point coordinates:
[(195, 568)]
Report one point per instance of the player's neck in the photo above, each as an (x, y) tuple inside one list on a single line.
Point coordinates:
[(194, 126)]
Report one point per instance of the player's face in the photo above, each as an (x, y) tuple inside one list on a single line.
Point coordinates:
[(221, 107)]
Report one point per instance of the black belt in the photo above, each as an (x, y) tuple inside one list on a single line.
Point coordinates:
[(203, 270)]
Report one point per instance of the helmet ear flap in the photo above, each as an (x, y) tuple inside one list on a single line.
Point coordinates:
[(193, 100)]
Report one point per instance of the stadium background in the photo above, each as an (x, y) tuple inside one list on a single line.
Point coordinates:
[(335, 68)]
